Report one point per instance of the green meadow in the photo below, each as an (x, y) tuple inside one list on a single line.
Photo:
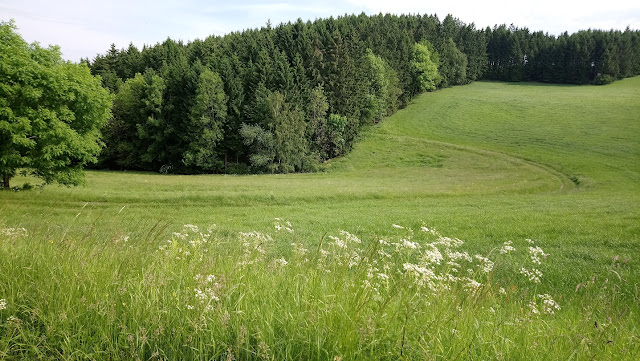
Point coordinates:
[(93, 276)]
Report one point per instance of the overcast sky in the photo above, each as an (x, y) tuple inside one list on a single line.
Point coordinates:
[(84, 28)]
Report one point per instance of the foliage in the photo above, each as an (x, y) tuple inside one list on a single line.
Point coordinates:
[(282, 146), (516, 54), (134, 134), (603, 79), (383, 87), (453, 65), (51, 112), (208, 116), (424, 65)]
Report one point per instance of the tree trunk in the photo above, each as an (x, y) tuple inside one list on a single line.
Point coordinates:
[(5, 181)]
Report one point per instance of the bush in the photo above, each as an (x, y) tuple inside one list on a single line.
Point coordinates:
[(603, 79)]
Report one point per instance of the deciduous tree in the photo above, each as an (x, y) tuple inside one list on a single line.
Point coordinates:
[(51, 112)]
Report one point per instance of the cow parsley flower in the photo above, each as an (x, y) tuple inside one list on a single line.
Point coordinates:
[(533, 275), (485, 263), (432, 256), (507, 247), (548, 304), (536, 253)]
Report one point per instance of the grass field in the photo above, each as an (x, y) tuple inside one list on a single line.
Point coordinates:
[(486, 163)]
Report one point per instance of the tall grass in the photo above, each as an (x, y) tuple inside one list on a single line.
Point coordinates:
[(201, 295)]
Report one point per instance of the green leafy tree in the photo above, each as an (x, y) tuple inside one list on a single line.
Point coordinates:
[(317, 118), (51, 112), (424, 66), (375, 70)]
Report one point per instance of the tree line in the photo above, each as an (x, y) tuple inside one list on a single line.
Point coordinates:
[(287, 98), (275, 99), (589, 56)]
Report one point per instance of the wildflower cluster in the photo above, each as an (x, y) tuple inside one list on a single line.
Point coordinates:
[(187, 243), (536, 254), (547, 305), (346, 249), (427, 262), (441, 262), (13, 232), (507, 247), (3, 304), (207, 291), (282, 225), (534, 275), (254, 246)]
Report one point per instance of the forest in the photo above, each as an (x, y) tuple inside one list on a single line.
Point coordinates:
[(287, 98)]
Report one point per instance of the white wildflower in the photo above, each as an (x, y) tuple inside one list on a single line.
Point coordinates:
[(424, 276), (354, 259), (473, 285), (281, 262), (3, 304), (536, 253), (300, 252), (383, 242), (383, 276), (178, 235), (190, 228), (533, 307), (285, 225), (14, 321), (432, 256), (530, 241), (206, 295), (449, 242), (338, 242), (13, 232), (350, 237), (409, 245), (455, 255), (549, 306), (507, 247), (485, 263), (384, 254), (502, 291), (453, 264), (533, 275), (432, 231), (210, 278)]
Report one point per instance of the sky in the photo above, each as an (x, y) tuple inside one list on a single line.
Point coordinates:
[(85, 28)]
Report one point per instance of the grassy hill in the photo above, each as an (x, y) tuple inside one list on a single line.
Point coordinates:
[(487, 163)]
